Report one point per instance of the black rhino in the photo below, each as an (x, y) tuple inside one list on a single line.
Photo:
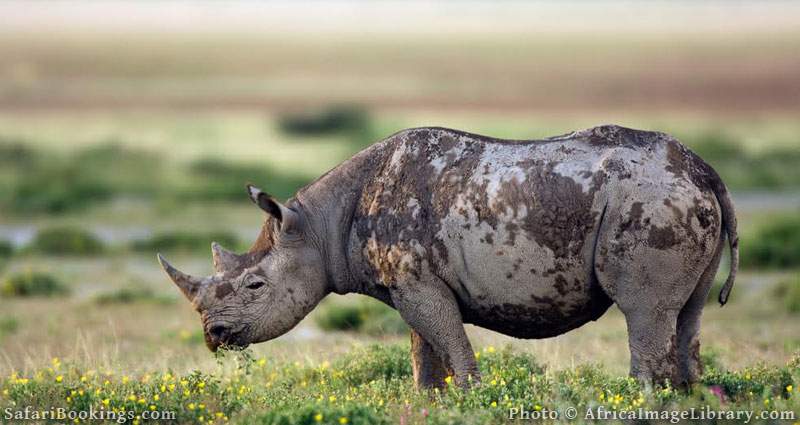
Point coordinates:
[(528, 238)]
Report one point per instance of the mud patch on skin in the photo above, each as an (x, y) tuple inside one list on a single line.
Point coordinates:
[(562, 215), (661, 237), (398, 236)]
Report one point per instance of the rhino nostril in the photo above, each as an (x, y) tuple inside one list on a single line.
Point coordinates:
[(218, 332)]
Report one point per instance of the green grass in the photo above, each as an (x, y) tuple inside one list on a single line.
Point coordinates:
[(374, 385)]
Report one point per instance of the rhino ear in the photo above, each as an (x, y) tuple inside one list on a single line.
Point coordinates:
[(223, 259), (288, 218)]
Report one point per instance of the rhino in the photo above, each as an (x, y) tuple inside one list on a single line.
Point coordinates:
[(529, 238)]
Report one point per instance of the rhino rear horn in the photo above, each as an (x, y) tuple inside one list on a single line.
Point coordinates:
[(189, 285), (224, 260)]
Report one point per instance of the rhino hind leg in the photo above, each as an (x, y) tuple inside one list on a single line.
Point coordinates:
[(689, 323), (430, 370), (651, 263)]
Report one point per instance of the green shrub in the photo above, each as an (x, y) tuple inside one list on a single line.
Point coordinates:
[(740, 169), (15, 153), (787, 292), (33, 284), (336, 119), (132, 294), (67, 240), (775, 244), (366, 315), (375, 362), (715, 146), (312, 413), (184, 242), (56, 189), (6, 249), (213, 179)]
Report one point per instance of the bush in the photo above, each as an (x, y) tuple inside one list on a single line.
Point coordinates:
[(67, 240), (715, 146), (337, 119), (776, 244), (184, 242), (6, 249), (367, 315), (740, 169), (57, 189), (215, 179), (788, 293), (132, 294), (33, 284), (15, 153)]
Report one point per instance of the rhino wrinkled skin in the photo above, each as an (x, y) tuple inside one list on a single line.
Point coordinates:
[(528, 238)]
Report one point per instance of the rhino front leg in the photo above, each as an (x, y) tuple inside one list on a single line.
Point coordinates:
[(429, 368), (432, 312)]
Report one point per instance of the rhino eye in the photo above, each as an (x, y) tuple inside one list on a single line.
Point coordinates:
[(255, 283)]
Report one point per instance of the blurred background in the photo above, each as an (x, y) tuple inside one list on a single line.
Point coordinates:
[(128, 128)]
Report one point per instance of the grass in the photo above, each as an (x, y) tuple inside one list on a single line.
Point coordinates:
[(8, 326), (132, 294), (373, 385), (787, 292)]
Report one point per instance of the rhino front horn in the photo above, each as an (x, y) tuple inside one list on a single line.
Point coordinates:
[(187, 284), (223, 259)]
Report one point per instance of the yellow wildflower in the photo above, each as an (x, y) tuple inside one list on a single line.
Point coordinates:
[(318, 417), (490, 349), (343, 420), (494, 404), (59, 378)]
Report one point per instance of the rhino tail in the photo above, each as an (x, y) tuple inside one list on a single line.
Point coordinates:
[(729, 228)]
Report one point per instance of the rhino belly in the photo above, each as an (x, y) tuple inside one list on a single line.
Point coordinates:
[(511, 284)]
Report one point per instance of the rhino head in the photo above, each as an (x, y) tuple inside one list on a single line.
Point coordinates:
[(262, 294)]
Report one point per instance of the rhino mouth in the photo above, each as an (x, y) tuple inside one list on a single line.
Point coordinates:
[(236, 340)]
